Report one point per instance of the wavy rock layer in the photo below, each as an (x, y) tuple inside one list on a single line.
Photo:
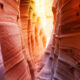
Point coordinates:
[(16, 67), (21, 38), (62, 57)]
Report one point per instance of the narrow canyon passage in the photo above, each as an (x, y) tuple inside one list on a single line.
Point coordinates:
[(25, 30), (39, 39), (36, 27)]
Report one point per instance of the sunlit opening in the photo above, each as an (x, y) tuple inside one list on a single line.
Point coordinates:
[(44, 11)]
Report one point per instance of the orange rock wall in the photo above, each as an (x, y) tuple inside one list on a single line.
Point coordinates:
[(33, 34), (15, 64), (21, 38), (61, 60)]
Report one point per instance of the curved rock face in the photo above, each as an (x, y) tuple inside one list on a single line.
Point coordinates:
[(2, 73), (61, 60), (16, 67), (62, 57), (18, 41), (32, 33)]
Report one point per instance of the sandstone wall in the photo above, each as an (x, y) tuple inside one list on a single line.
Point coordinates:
[(61, 60), (21, 38), (33, 33), (15, 64)]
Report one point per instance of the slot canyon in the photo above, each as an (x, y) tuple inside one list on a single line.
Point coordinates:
[(39, 39)]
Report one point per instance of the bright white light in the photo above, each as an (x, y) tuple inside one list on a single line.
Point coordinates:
[(48, 39), (44, 11)]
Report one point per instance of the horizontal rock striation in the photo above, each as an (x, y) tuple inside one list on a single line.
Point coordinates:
[(16, 67), (62, 57)]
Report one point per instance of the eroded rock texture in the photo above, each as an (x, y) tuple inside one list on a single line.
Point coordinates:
[(2, 73), (32, 33), (16, 67), (19, 38), (61, 60)]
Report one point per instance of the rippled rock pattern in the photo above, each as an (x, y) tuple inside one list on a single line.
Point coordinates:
[(21, 38), (62, 57), (16, 67)]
